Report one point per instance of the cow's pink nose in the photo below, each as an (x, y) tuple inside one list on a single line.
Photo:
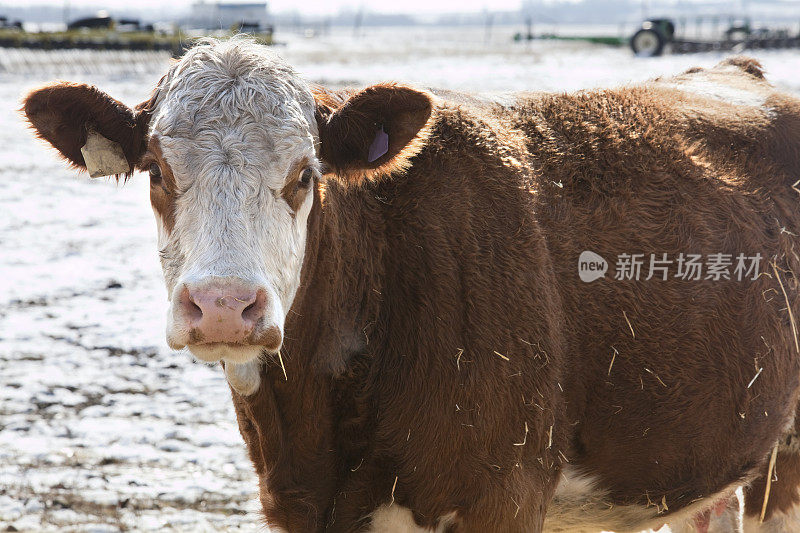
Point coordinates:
[(222, 314)]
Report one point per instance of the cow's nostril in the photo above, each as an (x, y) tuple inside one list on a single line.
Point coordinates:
[(194, 311), (253, 312)]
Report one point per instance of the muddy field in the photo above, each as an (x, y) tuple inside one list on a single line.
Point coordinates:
[(102, 427)]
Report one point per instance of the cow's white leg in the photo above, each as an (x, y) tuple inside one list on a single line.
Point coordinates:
[(245, 378), (393, 519), (398, 519)]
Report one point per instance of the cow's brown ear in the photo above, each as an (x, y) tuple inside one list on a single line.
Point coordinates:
[(66, 114), (376, 131)]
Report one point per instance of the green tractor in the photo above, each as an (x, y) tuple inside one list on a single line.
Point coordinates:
[(652, 37)]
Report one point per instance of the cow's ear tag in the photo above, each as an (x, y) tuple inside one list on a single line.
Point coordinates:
[(379, 146), (103, 156)]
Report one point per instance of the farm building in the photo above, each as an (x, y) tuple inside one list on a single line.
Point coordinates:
[(223, 15)]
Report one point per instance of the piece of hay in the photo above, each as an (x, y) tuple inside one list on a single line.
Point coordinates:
[(788, 308), (501, 355), (525, 436), (655, 376), (280, 358), (769, 483), (613, 356), (394, 486), (755, 377), (624, 314)]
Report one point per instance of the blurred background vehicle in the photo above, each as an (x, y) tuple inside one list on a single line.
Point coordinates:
[(705, 34)]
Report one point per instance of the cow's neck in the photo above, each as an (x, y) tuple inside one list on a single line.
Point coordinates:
[(299, 428)]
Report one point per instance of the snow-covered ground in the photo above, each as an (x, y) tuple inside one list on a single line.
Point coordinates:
[(102, 427)]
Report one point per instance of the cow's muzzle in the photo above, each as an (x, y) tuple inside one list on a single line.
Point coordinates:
[(223, 318)]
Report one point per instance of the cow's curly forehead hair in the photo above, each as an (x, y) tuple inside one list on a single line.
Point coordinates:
[(218, 82)]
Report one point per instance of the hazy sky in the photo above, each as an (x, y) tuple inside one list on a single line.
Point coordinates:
[(307, 6)]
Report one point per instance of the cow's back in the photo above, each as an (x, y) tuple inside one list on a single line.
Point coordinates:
[(677, 387)]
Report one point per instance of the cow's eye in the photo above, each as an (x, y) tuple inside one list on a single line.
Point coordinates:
[(305, 177), (155, 173)]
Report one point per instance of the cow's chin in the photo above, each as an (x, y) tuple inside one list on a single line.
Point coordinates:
[(230, 353)]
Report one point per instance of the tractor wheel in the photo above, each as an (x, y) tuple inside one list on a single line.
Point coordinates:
[(647, 43)]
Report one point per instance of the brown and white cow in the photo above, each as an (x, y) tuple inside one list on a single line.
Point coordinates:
[(390, 279)]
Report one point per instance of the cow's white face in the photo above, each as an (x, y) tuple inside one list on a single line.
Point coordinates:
[(232, 162), (233, 140)]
